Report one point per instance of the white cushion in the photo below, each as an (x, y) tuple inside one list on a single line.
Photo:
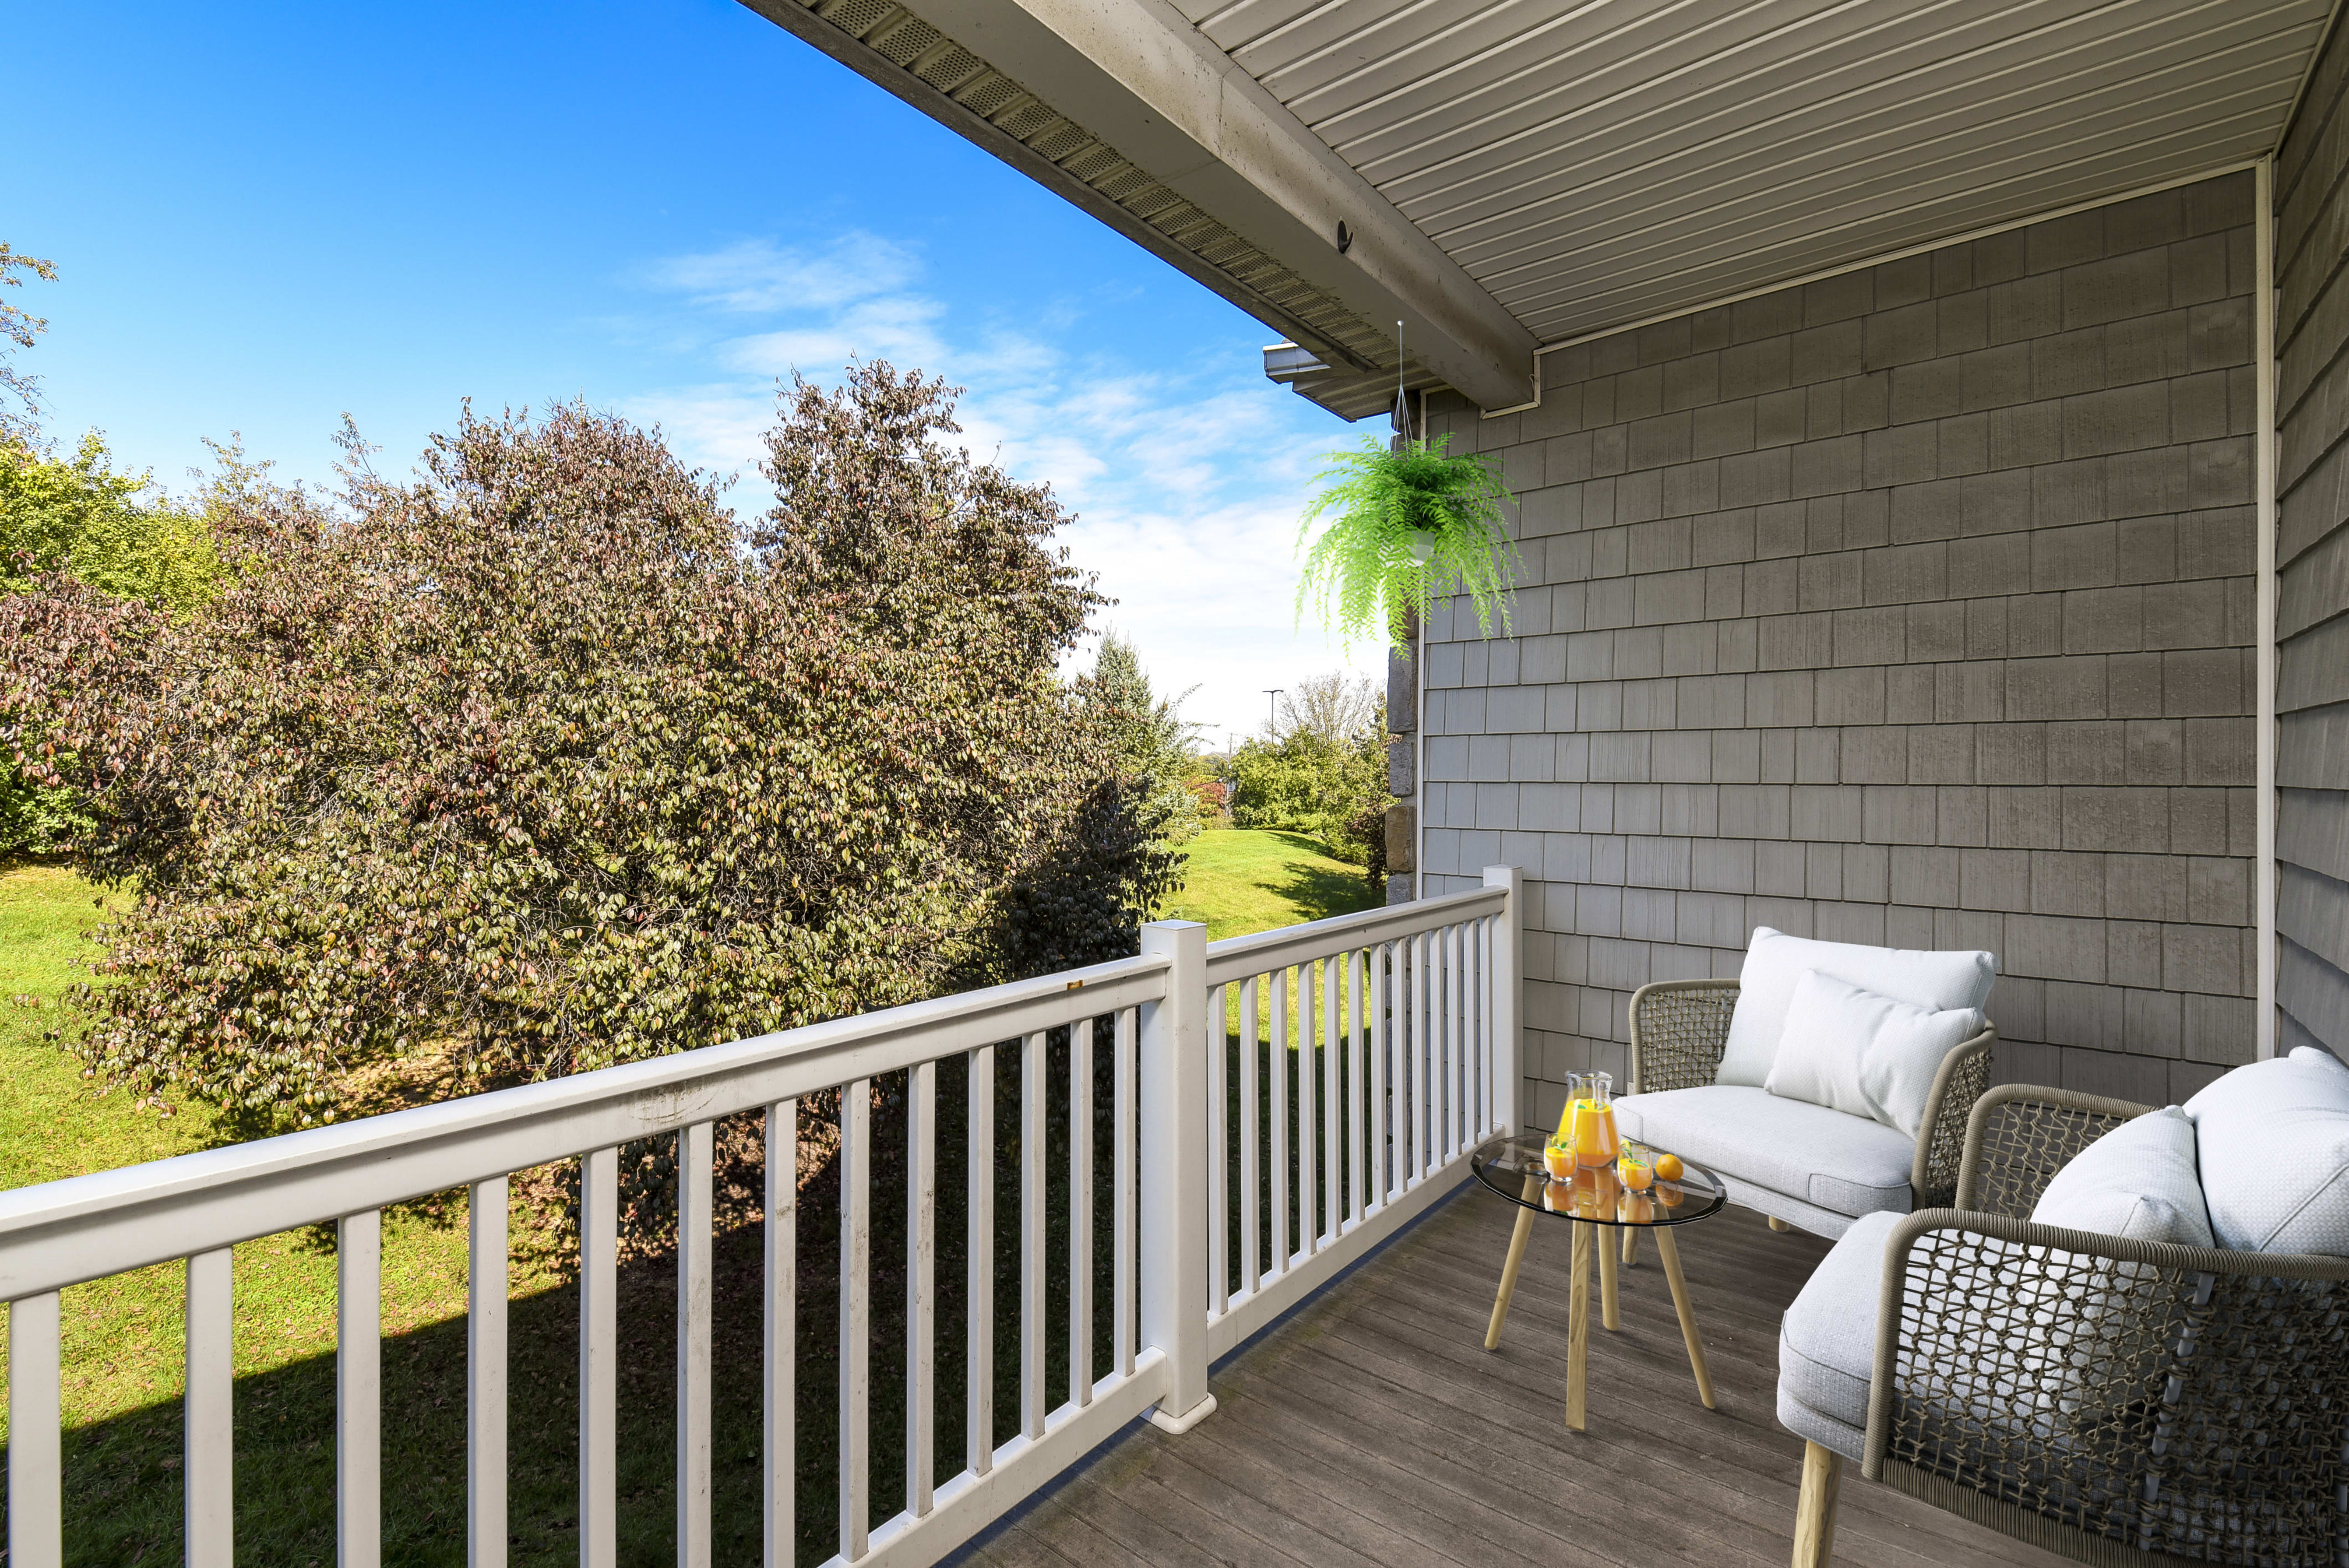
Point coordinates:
[(2137, 1181), (1775, 962), (1863, 1053), (1844, 1163), (1826, 1341), (2274, 1144)]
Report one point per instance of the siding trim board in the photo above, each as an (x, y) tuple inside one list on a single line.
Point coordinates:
[(2267, 680), (2311, 440)]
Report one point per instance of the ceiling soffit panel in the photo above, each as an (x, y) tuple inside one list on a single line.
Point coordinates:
[(1212, 175), (1594, 163), (1567, 167)]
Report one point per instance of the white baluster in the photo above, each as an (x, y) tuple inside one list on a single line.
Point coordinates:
[(487, 1282), (1251, 1186), (599, 1350), (1032, 1399), (1334, 1051), (694, 1240), (1081, 1212), (980, 1353), (1280, 1064), (1420, 1060), (1357, 1101), (1219, 1153), (1381, 1114), (210, 1422), (35, 1440), (1121, 1322), (779, 1330), (358, 1390), (856, 1310), (921, 1284), (1309, 1166)]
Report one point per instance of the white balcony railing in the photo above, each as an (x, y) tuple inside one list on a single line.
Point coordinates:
[(1413, 1060)]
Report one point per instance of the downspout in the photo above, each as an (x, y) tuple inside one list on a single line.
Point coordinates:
[(2264, 438)]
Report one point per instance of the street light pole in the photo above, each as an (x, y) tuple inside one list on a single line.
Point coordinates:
[(1272, 711)]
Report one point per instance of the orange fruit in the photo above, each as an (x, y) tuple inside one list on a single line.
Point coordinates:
[(1668, 1167), (1670, 1194)]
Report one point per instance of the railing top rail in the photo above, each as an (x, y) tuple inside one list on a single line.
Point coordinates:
[(87, 1227), (1239, 957)]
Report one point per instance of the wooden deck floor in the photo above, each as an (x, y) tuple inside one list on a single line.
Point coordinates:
[(1372, 1429)]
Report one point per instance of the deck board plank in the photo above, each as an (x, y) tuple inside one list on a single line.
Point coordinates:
[(1373, 1428)]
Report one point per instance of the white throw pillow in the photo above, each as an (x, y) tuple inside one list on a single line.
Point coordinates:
[(2273, 1139), (1865, 1053), (2137, 1181), (1775, 963)]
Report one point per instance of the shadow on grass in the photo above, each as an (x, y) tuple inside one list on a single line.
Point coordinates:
[(1320, 890), (122, 1500), (122, 1481)]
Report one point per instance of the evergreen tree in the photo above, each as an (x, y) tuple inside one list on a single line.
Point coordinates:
[(1145, 736)]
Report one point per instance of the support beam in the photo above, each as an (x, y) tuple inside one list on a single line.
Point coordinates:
[(1160, 96)]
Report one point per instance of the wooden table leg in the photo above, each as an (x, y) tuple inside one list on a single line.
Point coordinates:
[(1509, 1269), (1631, 1245), (1604, 1242), (1670, 1251), (1577, 1323)]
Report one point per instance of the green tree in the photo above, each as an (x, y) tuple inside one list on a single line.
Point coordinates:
[(18, 328), (1323, 774), (81, 519), (1145, 734), (108, 529)]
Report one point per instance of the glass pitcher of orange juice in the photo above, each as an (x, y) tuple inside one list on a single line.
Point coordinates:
[(1587, 1127)]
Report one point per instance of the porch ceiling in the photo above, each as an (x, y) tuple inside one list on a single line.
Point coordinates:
[(1530, 171)]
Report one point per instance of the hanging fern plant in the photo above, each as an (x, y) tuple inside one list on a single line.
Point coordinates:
[(1405, 526)]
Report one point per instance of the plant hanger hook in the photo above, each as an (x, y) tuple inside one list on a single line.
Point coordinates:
[(1402, 397)]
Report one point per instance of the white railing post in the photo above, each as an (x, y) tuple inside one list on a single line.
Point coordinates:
[(1173, 1160), (1509, 984)]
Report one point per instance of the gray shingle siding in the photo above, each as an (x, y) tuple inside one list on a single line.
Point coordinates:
[(2313, 564), (1912, 607)]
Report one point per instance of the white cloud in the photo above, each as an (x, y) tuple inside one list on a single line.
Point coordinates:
[(759, 276), (1186, 478)]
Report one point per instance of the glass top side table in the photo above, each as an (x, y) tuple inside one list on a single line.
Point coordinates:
[(1589, 1198)]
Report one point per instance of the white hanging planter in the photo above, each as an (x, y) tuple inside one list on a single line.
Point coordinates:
[(1421, 546)]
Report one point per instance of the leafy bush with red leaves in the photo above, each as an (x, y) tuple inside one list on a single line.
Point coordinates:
[(541, 760)]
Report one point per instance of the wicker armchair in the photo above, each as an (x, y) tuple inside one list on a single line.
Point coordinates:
[(1677, 1030), (2112, 1401)]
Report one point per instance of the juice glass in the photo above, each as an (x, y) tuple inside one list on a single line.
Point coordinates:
[(1635, 1167)]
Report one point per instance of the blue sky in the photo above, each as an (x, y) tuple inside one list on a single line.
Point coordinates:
[(266, 215)]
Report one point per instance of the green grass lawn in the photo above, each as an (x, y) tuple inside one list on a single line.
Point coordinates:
[(123, 1335), (1240, 880)]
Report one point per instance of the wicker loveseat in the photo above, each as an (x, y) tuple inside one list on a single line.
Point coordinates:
[(2111, 1400), (1802, 1165)]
